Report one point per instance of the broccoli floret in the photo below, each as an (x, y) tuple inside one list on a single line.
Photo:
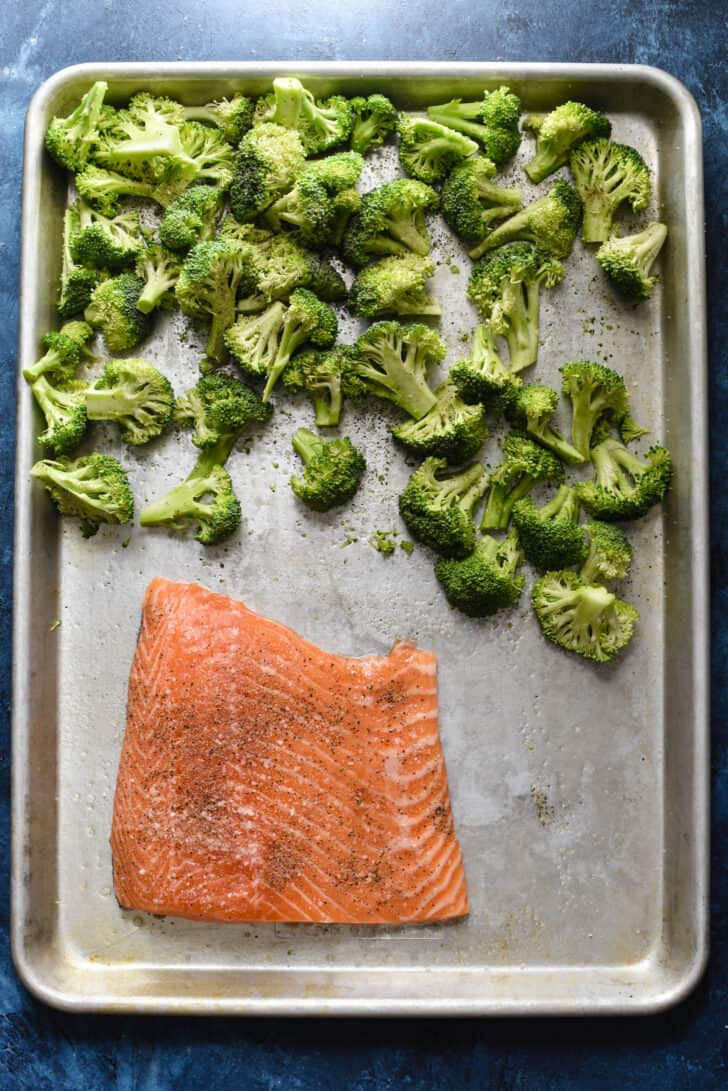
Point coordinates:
[(605, 175), (506, 288), (321, 124), (595, 391), (233, 117), (307, 209), (610, 554), (104, 242), (208, 283), (472, 202), (558, 133), (70, 139), (94, 489), (319, 374), (394, 285), (524, 466), (103, 188), (265, 167), (483, 377), (550, 535), (391, 220), (549, 222), (627, 261), (76, 284), (335, 172), (65, 414), (451, 430), (158, 268), (63, 353), (485, 581), (191, 218), (205, 499), (113, 309), (136, 396), (493, 121), (532, 410), (437, 508), (391, 362), (428, 151), (346, 202), (253, 339), (582, 618), (375, 118), (218, 406), (280, 264), (624, 487), (332, 470)]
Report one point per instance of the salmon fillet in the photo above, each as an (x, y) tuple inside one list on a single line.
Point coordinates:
[(264, 779)]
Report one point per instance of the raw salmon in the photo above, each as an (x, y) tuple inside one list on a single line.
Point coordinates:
[(264, 779)]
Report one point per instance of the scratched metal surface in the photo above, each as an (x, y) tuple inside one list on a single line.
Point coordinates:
[(577, 791)]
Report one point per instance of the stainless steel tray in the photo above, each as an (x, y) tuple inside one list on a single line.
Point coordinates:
[(579, 793)]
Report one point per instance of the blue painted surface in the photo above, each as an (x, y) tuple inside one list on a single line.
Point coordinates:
[(683, 1049)]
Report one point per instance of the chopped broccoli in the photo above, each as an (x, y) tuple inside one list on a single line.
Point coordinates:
[(158, 268), (70, 139), (493, 122), (321, 124), (485, 581), (94, 489), (205, 499), (532, 410), (375, 118), (550, 535), (208, 283), (428, 151), (307, 209), (113, 309), (595, 391), (549, 222), (218, 406), (253, 339), (233, 116), (63, 353), (332, 472), (381, 540), (394, 285), (136, 396), (391, 362), (483, 377), (103, 242), (559, 132), (472, 202), (627, 261), (281, 264), (64, 411), (266, 165), (103, 188), (437, 508), (451, 430), (391, 220), (346, 202), (506, 288), (320, 375), (582, 618), (605, 175), (337, 172), (610, 554), (191, 218), (524, 466), (624, 487), (76, 283)]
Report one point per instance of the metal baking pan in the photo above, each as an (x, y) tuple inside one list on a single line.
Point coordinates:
[(580, 794)]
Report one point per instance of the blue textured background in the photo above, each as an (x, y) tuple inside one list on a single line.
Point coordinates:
[(684, 1049)]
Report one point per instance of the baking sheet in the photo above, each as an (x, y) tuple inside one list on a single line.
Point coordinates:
[(578, 791)]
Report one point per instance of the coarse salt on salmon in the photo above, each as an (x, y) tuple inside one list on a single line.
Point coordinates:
[(264, 779)]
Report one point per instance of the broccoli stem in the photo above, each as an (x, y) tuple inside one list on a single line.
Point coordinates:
[(506, 200), (597, 222), (307, 444), (106, 404), (543, 164), (46, 363), (456, 117), (222, 319), (465, 489), (293, 335), (565, 502), (418, 303), (216, 454), (412, 236), (155, 287), (522, 305), (288, 103), (499, 506), (327, 405), (583, 421)]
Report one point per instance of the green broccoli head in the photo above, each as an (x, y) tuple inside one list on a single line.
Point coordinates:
[(394, 285), (437, 507), (158, 269), (627, 261), (70, 139), (375, 118), (322, 124), (254, 340), (63, 353), (233, 116), (307, 319), (610, 554), (559, 132), (506, 288), (77, 283), (337, 172), (549, 222), (451, 430), (472, 202), (532, 409), (206, 500), (524, 465), (332, 472), (550, 535), (136, 396), (493, 121), (265, 167), (581, 618), (65, 414), (625, 487), (191, 218), (104, 242), (103, 188), (390, 220), (595, 391), (428, 150), (219, 406), (391, 361), (486, 580), (483, 377), (113, 309), (320, 375), (208, 283), (605, 175), (307, 209), (280, 264), (94, 489)]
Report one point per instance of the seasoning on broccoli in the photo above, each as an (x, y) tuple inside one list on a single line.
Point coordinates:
[(428, 151), (332, 471), (375, 118), (558, 132), (486, 580), (605, 175), (625, 487), (549, 222), (113, 309), (94, 489), (437, 507), (482, 376), (582, 618), (525, 464), (390, 220), (550, 535), (493, 121), (391, 361), (394, 285), (532, 409), (136, 396), (627, 261), (472, 202), (451, 429)]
